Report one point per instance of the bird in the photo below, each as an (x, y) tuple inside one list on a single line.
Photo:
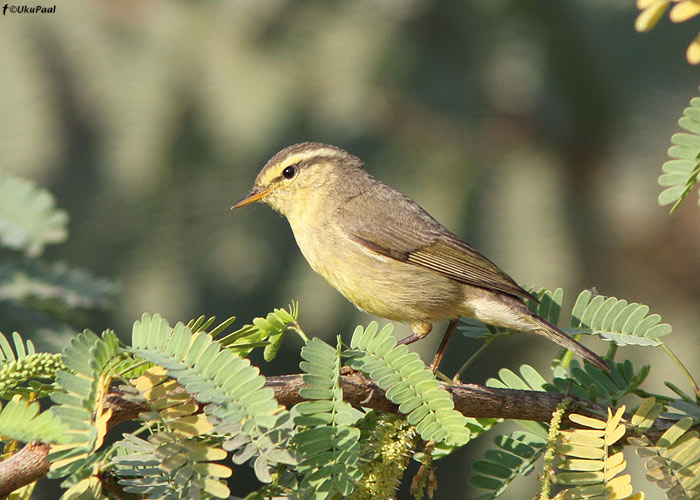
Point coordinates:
[(385, 253)]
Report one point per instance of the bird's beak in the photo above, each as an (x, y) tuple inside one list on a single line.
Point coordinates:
[(251, 197)]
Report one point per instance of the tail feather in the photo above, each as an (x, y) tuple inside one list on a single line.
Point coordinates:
[(551, 332), (509, 311)]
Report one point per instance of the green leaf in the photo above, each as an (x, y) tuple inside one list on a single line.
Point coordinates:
[(29, 219), (672, 194), (669, 437), (88, 357), (53, 284), (268, 332), (595, 385), (688, 123), (329, 447), (167, 466), (229, 381), (617, 320), (409, 382), (7, 353), (682, 172), (684, 167), (22, 421), (531, 380), (514, 457), (687, 408)]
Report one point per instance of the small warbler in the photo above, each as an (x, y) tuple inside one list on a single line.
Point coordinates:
[(385, 253)]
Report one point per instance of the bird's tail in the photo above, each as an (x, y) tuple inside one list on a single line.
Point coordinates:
[(551, 332)]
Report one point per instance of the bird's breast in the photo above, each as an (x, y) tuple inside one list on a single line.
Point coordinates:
[(373, 282)]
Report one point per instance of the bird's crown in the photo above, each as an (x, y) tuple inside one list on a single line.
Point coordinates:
[(292, 159)]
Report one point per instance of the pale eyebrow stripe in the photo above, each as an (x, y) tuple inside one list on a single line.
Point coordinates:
[(320, 153), (305, 155)]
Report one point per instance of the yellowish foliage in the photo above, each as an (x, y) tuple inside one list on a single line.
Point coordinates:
[(593, 468), (184, 456), (653, 10), (683, 11)]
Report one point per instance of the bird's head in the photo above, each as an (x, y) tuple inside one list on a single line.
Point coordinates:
[(301, 173)]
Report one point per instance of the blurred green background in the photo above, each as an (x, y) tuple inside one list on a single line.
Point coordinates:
[(534, 129)]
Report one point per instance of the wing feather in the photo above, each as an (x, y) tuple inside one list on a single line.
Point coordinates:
[(414, 236), (454, 258)]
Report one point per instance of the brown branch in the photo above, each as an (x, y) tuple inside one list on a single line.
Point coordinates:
[(472, 400), (24, 467)]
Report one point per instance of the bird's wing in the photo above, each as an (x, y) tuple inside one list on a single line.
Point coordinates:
[(415, 237)]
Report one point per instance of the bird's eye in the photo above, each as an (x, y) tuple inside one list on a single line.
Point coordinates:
[(289, 172)]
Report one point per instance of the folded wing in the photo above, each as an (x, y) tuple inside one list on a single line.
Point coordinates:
[(415, 237)]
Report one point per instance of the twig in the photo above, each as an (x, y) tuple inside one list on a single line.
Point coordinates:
[(472, 400)]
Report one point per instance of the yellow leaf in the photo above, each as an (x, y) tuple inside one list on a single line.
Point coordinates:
[(683, 11), (77, 490), (576, 438), (587, 421), (65, 461), (580, 451), (686, 445), (693, 52), (216, 488), (152, 377), (614, 470), (213, 470), (580, 464), (580, 478), (620, 493), (194, 425), (619, 488), (614, 460), (599, 433), (614, 435), (172, 399), (674, 432), (648, 18), (160, 390), (179, 410), (690, 475), (200, 452), (620, 481), (584, 492), (101, 427), (646, 414), (637, 496), (614, 420)]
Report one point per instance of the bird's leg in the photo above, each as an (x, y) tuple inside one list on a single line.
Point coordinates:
[(409, 340), (443, 345), (420, 329)]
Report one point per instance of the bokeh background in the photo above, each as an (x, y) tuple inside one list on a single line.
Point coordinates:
[(534, 129)]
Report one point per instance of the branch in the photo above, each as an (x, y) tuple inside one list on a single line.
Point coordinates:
[(472, 400), (24, 467)]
